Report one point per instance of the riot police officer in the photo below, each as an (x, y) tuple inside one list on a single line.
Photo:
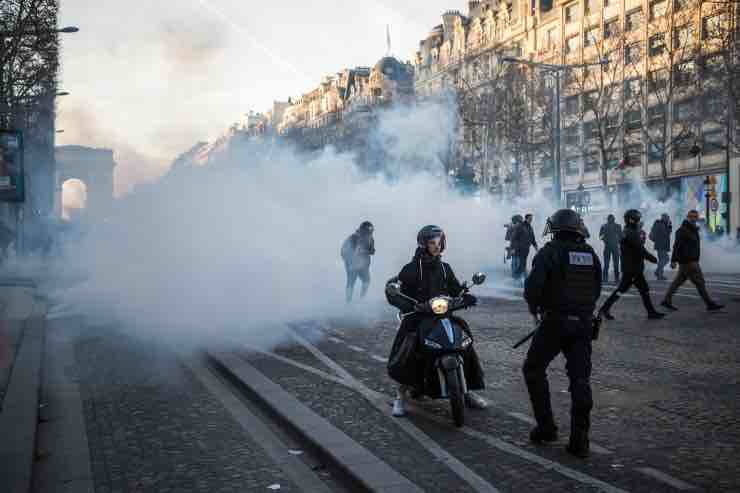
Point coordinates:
[(562, 291), (634, 254)]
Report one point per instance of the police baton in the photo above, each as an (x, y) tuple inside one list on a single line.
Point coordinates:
[(524, 339)]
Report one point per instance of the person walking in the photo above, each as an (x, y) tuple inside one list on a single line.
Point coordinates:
[(686, 254), (634, 255), (660, 235), (524, 239), (611, 234), (356, 252)]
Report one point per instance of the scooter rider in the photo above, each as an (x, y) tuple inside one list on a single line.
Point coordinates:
[(563, 288), (426, 277)]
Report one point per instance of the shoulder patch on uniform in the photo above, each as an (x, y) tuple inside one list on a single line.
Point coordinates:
[(581, 258)]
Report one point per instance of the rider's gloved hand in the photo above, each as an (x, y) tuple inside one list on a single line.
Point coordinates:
[(470, 300), (422, 307)]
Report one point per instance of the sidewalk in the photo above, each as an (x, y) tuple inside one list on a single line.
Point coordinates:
[(22, 333)]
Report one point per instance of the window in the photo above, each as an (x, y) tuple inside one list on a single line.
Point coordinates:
[(632, 120), (683, 111), (683, 36), (590, 130), (570, 13), (657, 8), (591, 162), (682, 149), (655, 152), (571, 166), (713, 103), (570, 136), (713, 66), (633, 20), (656, 114), (590, 6), (611, 28), (684, 73), (571, 106), (551, 38), (680, 4), (657, 44), (714, 141), (633, 53), (608, 3), (591, 37), (711, 26), (590, 100), (571, 45), (631, 88), (657, 81), (612, 158)]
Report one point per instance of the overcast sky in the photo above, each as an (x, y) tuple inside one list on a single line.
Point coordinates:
[(150, 79)]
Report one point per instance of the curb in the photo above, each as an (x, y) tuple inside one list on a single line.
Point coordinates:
[(19, 415), (368, 471)]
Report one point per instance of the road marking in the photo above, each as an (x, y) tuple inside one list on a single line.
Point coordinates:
[(527, 419), (297, 364), (379, 358), (335, 339), (665, 478), (357, 349), (274, 447), (379, 401)]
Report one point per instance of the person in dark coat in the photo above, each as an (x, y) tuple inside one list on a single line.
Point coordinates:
[(515, 238), (686, 254), (634, 255), (562, 290), (356, 252), (660, 235), (611, 235), (422, 279), (522, 239)]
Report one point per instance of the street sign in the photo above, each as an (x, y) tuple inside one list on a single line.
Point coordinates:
[(12, 186)]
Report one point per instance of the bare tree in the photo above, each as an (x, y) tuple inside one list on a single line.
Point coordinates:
[(667, 96), (607, 105)]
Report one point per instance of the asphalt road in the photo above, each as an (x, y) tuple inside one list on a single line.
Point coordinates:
[(666, 415)]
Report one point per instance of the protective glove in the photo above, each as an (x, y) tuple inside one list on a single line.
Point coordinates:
[(421, 307), (469, 300)]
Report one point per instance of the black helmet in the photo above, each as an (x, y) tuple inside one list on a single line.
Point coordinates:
[(610, 218), (564, 220), (367, 227), (429, 233), (632, 217), (517, 219)]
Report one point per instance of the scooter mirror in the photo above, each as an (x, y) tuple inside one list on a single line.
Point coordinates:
[(479, 278), (393, 288)]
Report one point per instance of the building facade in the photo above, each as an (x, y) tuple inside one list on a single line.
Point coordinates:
[(646, 37)]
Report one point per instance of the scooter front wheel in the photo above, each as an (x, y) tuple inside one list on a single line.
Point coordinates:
[(453, 380)]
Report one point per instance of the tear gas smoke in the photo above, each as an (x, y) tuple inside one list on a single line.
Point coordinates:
[(254, 238)]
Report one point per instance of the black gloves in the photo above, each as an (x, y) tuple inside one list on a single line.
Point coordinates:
[(469, 300), (422, 307)]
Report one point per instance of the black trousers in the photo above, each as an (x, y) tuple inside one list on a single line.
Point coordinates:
[(611, 254), (573, 339), (628, 280)]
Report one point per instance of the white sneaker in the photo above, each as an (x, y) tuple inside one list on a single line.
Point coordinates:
[(475, 401), (399, 409)]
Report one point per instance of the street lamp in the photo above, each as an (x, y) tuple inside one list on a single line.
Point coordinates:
[(68, 29), (62, 93), (555, 70)]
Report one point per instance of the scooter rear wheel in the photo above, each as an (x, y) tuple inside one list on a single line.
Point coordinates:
[(457, 398)]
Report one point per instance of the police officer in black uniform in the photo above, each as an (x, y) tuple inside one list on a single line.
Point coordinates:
[(562, 290), (634, 254)]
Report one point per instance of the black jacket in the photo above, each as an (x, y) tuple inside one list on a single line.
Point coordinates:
[(424, 278), (357, 249), (523, 237), (545, 289), (611, 234), (687, 247), (634, 252), (660, 235)]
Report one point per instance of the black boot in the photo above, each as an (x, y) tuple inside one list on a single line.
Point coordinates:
[(604, 310), (541, 435), (578, 443), (653, 314)]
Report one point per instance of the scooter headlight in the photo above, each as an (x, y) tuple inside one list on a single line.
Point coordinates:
[(439, 305)]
